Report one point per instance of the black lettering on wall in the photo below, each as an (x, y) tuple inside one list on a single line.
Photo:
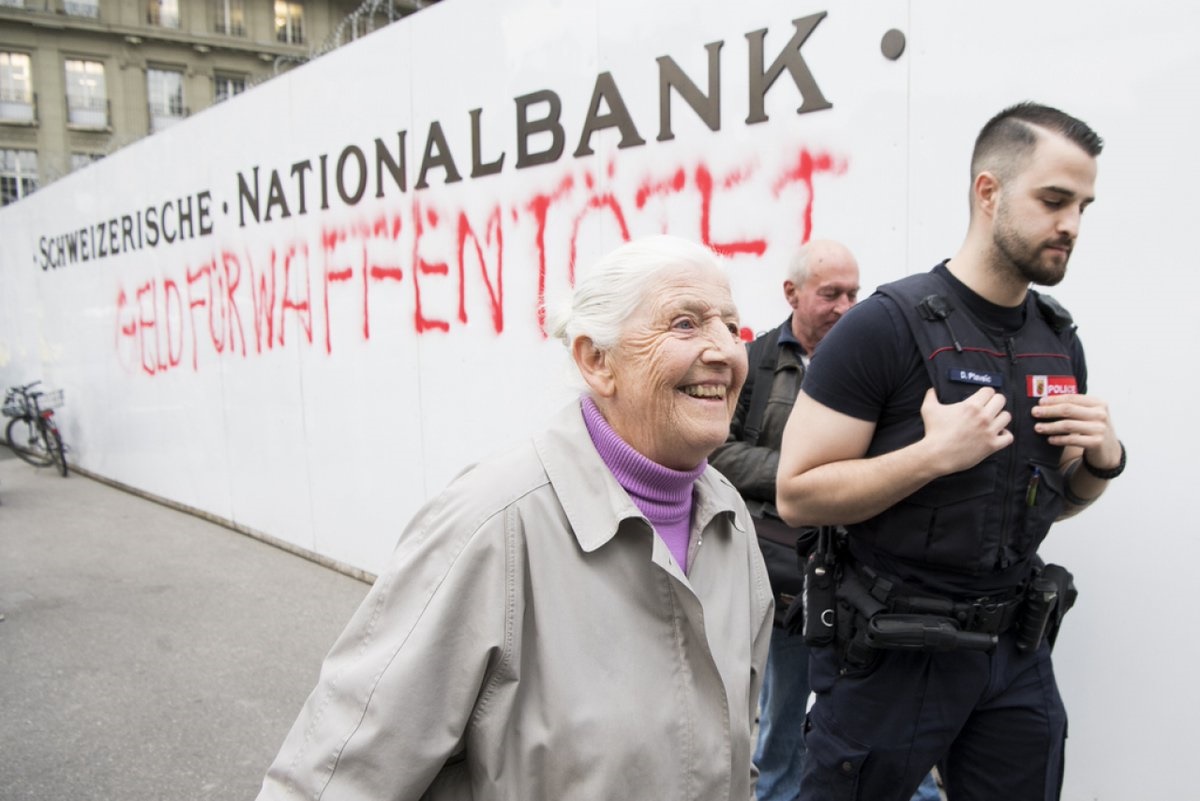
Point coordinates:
[(547, 124), (324, 181), (396, 167), (152, 216), (127, 241), (437, 154), (245, 197), (276, 198), (185, 219), (351, 198), (790, 59), (170, 232), (706, 106), (298, 170), (478, 167), (202, 201), (618, 116)]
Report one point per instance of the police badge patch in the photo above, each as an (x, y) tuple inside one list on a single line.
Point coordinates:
[(1040, 386)]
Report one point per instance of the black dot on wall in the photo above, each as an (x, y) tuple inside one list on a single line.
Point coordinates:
[(892, 44)]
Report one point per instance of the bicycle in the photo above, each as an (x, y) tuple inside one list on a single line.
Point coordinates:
[(32, 433)]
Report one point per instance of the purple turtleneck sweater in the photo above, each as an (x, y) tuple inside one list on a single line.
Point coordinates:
[(663, 495)]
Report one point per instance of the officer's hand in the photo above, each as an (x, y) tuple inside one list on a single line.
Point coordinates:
[(1082, 421), (961, 435)]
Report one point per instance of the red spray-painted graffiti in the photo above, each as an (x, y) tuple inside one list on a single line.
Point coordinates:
[(240, 304)]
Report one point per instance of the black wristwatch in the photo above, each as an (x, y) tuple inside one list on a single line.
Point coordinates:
[(1111, 472)]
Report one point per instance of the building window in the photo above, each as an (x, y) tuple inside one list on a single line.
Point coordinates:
[(226, 86), (164, 13), (289, 22), (229, 17), (165, 91), (16, 88), (18, 174), (87, 98), (82, 8), (81, 160), (13, 3)]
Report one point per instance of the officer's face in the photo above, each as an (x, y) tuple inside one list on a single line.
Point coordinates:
[(1039, 209)]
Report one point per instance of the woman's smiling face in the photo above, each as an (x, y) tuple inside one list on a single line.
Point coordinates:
[(678, 368)]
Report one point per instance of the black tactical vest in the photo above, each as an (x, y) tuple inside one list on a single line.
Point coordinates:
[(992, 517)]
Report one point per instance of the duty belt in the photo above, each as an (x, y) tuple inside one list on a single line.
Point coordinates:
[(893, 620), (989, 614)]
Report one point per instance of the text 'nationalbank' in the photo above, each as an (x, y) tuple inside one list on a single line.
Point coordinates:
[(267, 195)]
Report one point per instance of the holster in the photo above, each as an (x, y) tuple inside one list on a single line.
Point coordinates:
[(1050, 595), (813, 614), (875, 627)]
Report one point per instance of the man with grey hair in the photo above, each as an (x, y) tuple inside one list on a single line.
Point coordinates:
[(947, 425)]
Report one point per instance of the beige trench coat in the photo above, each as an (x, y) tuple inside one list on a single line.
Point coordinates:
[(533, 640)]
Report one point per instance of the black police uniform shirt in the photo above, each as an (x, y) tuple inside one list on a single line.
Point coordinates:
[(869, 367)]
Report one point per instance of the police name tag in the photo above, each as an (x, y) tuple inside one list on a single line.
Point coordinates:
[(978, 377), (1040, 386)]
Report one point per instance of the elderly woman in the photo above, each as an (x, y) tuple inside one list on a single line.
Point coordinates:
[(585, 617)]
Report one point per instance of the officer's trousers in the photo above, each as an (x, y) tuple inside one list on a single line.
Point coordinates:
[(993, 722)]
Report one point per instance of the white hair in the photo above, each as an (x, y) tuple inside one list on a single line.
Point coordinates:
[(612, 289), (798, 267)]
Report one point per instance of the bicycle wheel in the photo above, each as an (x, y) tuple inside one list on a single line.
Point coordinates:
[(57, 452), (27, 441)]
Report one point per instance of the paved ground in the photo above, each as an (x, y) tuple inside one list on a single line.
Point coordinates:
[(146, 654)]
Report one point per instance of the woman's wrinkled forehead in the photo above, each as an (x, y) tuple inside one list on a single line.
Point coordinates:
[(701, 289)]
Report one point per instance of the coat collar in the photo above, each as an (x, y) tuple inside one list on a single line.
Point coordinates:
[(595, 504)]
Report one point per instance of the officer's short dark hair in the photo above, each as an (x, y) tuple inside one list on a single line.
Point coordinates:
[(1009, 137)]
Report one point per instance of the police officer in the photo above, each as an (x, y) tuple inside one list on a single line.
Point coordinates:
[(946, 423)]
